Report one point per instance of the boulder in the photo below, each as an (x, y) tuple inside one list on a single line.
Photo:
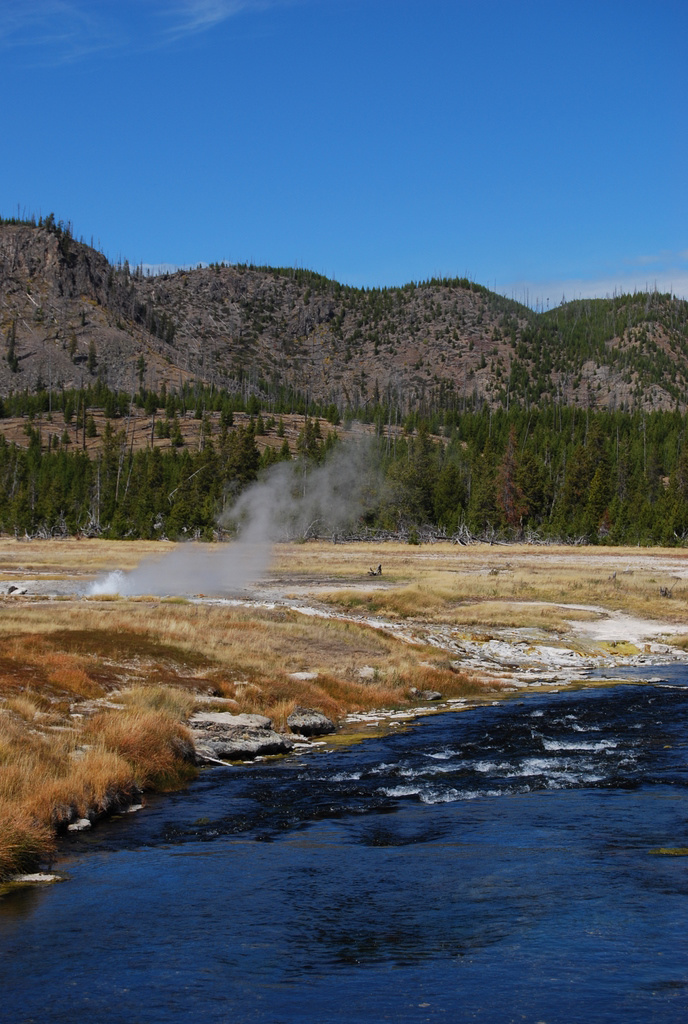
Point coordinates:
[(221, 736), (426, 694), (307, 722)]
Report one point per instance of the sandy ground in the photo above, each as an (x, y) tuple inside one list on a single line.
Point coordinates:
[(618, 627)]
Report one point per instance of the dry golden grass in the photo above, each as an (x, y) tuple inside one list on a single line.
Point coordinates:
[(212, 646), (155, 746), (84, 768), (438, 604), (23, 839), (157, 656), (26, 706), (56, 657), (86, 786), (31, 661), (429, 581), (178, 704), (72, 555)]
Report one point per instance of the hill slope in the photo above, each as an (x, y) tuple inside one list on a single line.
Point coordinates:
[(68, 316)]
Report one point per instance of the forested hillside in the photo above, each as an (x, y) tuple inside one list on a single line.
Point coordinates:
[(557, 473), (136, 406)]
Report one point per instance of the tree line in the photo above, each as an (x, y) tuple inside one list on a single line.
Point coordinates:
[(556, 473)]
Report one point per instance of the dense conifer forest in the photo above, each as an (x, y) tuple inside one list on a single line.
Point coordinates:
[(551, 473)]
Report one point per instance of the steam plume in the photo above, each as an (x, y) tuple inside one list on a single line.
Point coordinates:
[(290, 501)]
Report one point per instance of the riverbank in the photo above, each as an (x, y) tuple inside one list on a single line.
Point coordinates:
[(95, 693), (515, 861)]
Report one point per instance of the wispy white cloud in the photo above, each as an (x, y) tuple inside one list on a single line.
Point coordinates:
[(189, 17), (664, 258), (59, 31), (546, 294), (665, 272)]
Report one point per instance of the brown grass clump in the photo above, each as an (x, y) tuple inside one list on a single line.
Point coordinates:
[(155, 746), (28, 758), (279, 712), (31, 660), (83, 767), (51, 777), (24, 705), (23, 839), (75, 680), (178, 704), (94, 783), (336, 695)]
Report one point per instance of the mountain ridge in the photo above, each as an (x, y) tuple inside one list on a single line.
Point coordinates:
[(68, 317)]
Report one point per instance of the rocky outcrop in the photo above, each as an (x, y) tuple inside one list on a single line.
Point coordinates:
[(221, 736), (307, 722)]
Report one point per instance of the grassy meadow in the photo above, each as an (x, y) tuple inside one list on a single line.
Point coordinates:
[(95, 692), (493, 585)]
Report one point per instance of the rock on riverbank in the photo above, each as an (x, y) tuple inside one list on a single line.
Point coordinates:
[(221, 736), (307, 722)]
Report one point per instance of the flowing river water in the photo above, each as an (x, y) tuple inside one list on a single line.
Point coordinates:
[(523, 861)]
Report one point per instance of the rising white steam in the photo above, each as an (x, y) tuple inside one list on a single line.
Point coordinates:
[(290, 502), (295, 501)]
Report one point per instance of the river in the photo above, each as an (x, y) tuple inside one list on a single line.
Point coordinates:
[(519, 862)]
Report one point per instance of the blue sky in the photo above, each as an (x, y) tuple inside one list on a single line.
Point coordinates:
[(538, 147)]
